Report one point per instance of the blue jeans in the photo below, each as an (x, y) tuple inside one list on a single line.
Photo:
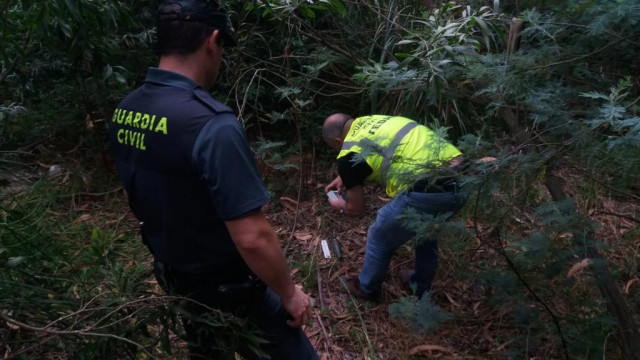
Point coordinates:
[(387, 234)]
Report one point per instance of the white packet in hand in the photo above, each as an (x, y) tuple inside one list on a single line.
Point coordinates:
[(333, 195)]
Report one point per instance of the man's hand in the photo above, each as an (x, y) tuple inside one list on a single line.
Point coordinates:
[(298, 305), (336, 184)]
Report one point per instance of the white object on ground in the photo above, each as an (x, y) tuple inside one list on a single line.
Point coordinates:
[(325, 249)]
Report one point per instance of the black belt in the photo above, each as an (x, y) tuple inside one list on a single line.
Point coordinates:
[(441, 185), (238, 297), (235, 275)]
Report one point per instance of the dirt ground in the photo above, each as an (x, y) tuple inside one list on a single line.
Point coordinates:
[(344, 328), (347, 328)]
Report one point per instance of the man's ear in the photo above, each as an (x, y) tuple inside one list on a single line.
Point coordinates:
[(214, 40), (337, 143)]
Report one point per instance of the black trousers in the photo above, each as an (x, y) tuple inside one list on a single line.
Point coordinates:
[(256, 311)]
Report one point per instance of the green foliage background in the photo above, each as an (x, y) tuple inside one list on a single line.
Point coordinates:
[(565, 101)]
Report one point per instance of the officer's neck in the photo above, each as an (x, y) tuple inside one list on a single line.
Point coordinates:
[(189, 66)]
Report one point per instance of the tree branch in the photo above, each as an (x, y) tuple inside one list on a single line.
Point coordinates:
[(70, 332), (499, 248), (616, 35), (630, 218), (576, 58), (4, 7)]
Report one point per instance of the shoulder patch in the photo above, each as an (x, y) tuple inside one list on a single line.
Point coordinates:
[(205, 98)]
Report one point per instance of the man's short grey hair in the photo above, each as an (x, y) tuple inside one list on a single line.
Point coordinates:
[(334, 125)]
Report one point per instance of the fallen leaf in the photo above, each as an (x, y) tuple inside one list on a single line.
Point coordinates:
[(629, 283), (314, 244), (341, 271), (12, 326), (82, 207), (422, 348), (503, 346), (475, 306), (451, 299), (46, 166), (341, 316), (289, 207), (303, 236), (288, 199), (578, 267), (82, 218)]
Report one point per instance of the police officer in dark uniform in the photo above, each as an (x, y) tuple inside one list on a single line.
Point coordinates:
[(193, 184)]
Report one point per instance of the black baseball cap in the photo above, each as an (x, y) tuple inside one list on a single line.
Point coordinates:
[(202, 11)]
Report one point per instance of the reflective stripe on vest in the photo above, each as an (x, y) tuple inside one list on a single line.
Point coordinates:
[(389, 150)]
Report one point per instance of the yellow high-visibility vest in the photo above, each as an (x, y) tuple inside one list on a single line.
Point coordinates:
[(400, 149)]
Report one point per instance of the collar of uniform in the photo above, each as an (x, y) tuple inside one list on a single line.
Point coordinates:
[(170, 78)]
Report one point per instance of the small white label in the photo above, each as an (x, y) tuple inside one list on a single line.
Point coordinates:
[(325, 249)]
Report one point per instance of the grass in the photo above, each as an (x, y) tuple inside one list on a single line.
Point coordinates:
[(77, 280), (309, 269), (72, 272), (361, 333)]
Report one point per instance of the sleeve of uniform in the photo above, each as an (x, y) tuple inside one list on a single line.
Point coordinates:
[(222, 155), (353, 173)]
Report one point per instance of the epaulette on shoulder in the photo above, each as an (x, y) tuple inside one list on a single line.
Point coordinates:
[(205, 98)]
